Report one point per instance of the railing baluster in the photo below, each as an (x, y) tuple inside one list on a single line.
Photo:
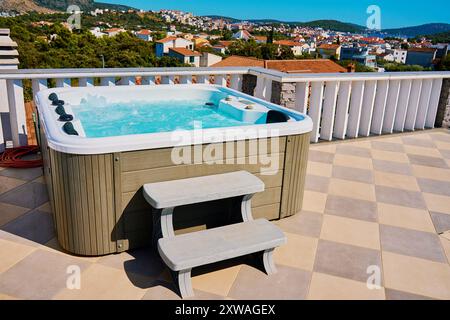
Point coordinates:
[(186, 79), (425, 94), (148, 80), (236, 82), (202, 79), (107, 81), (434, 102), (329, 109), (413, 104), (17, 114), (86, 82), (127, 81), (402, 105), (354, 114), (63, 82), (370, 88), (391, 106), (220, 80), (168, 79), (343, 102), (379, 106), (38, 85), (315, 109), (301, 96)]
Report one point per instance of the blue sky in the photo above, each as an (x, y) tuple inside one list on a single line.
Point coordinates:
[(393, 13)]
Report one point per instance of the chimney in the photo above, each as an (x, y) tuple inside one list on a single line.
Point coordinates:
[(351, 67)]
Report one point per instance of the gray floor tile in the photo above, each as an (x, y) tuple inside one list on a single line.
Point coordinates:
[(427, 161), (320, 156), (7, 183), (414, 243), (304, 223), (441, 221), (287, 284), (351, 208), (392, 294), (434, 186), (412, 141), (391, 167), (345, 260), (400, 197), (317, 183), (387, 146), (353, 174), (30, 195), (35, 226), (27, 174), (445, 153), (353, 151)]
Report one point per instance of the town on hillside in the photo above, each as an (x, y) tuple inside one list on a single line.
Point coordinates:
[(177, 38)]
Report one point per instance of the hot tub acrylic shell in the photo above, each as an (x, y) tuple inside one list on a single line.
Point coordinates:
[(95, 184)]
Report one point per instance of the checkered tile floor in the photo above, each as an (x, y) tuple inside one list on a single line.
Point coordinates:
[(377, 204)]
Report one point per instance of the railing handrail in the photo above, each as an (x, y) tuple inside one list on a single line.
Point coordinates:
[(19, 74), (362, 76)]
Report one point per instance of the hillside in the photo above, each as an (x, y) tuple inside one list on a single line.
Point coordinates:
[(22, 6), (425, 29), (62, 5)]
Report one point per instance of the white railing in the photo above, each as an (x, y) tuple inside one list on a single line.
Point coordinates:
[(352, 105), (343, 105)]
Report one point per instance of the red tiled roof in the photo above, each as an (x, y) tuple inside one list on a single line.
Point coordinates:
[(166, 39), (288, 43), (289, 66), (422, 50), (329, 46), (238, 61), (144, 32), (185, 52), (305, 66)]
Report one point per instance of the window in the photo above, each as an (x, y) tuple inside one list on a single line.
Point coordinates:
[(191, 59)]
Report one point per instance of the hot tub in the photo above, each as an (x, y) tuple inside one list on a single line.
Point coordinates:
[(115, 139)]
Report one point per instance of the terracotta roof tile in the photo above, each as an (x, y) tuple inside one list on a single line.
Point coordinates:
[(185, 52), (305, 66), (238, 61)]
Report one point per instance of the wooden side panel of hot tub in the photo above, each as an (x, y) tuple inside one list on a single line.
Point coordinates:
[(99, 208)]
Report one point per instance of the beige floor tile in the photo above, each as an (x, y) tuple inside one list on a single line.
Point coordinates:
[(54, 246), (446, 245), (404, 217), (391, 139), (431, 173), (217, 282), (319, 169), (352, 189), (314, 201), (99, 283), (299, 252), (331, 148), (46, 207), (389, 156), (442, 145), (350, 231), (422, 151), (362, 144), (327, 287), (8, 183), (9, 212), (446, 235), (7, 297), (415, 275), (437, 203), (11, 253), (352, 161), (393, 180)]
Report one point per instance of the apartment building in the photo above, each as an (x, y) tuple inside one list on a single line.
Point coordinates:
[(162, 46)]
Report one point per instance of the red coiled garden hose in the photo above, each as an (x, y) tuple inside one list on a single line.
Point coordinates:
[(11, 158)]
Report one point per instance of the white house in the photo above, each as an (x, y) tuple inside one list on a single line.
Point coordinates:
[(162, 46), (113, 31), (145, 35), (242, 35), (186, 56), (400, 55), (97, 32), (296, 47), (207, 59)]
